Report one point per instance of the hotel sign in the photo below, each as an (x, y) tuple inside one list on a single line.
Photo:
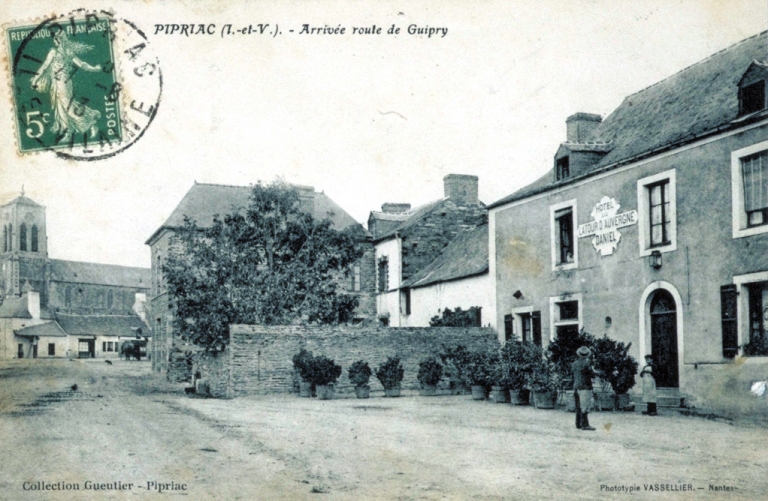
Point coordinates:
[(604, 228)]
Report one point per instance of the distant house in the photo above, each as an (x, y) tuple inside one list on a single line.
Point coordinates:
[(36, 290), (204, 201), (407, 240)]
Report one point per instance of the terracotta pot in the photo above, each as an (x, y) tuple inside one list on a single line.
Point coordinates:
[(605, 401), (622, 401), (545, 399), (428, 390), (478, 392), (305, 389), (363, 391), (518, 397), (499, 395), (392, 392), (325, 392)]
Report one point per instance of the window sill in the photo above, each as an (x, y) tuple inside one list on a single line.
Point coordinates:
[(670, 247), (749, 231), (565, 266)]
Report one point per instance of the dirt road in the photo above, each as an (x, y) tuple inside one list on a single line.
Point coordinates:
[(125, 427)]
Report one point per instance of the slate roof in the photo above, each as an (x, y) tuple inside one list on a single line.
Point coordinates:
[(698, 100), (465, 256), (203, 201), (14, 307), (409, 218), (23, 200), (102, 325), (96, 273), (49, 329)]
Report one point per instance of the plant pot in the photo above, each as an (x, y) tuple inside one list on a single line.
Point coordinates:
[(363, 391), (305, 389), (324, 391), (478, 392), (428, 390), (545, 399), (499, 395), (622, 401), (605, 401), (518, 397), (392, 392)]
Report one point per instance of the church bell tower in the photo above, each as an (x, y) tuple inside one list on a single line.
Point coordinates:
[(24, 246)]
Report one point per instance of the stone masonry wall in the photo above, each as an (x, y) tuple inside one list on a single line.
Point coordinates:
[(424, 241), (259, 358)]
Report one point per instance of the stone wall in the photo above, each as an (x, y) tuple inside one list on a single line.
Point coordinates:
[(258, 359)]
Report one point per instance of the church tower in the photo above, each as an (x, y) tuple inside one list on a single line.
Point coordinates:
[(24, 246)]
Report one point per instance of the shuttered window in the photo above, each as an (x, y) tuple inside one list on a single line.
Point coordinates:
[(728, 319)]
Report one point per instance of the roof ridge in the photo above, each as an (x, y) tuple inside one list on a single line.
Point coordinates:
[(740, 42), (222, 185), (100, 264)]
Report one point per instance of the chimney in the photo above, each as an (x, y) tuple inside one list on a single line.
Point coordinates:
[(580, 127), (392, 208), (461, 188), (33, 304)]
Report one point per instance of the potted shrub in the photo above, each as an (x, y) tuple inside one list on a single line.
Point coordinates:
[(454, 365), (499, 378), (617, 369), (359, 374), (543, 382), (430, 373), (476, 374), (390, 374), (302, 362), (323, 373), (519, 358)]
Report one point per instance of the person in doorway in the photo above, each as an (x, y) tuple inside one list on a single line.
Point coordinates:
[(582, 387), (649, 387)]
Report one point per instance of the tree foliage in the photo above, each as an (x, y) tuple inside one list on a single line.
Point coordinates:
[(270, 264), (457, 318)]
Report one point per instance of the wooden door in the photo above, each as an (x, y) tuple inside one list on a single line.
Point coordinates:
[(664, 340)]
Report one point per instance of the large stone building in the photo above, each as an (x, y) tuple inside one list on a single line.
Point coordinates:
[(652, 227), (38, 290), (201, 203)]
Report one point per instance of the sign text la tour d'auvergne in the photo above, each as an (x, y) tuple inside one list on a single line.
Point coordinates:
[(605, 225)]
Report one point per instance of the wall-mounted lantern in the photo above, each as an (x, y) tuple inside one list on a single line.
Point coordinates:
[(655, 260)]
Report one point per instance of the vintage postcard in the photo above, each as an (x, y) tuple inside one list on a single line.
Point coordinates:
[(384, 250)]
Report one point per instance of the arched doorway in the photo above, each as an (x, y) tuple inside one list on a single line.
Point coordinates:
[(663, 314)]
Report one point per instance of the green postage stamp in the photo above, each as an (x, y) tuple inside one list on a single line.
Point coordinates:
[(67, 89)]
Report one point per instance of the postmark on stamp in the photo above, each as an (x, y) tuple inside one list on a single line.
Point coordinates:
[(85, 85)]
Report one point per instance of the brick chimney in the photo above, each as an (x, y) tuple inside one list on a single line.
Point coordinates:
[(462, 188), (392, 208), (580, 127)]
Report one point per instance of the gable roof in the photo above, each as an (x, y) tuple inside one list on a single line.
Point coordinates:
[(700, 99), (465, 256), (14, 307), (102, 274), (48, 329), (203, 201), (407, 219), (102, 325)]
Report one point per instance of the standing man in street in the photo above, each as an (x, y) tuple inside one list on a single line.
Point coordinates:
[(582, 386)]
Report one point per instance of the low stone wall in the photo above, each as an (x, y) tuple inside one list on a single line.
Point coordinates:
[(258, 359)]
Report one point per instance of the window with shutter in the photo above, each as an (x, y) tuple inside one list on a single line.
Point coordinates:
[(728, 319), (508, 327)]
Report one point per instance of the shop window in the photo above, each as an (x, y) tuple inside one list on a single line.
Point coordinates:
[(382, 277), (34, 238), (51, 349), (657, 213), (749, 190), (564, 245), (23, 237)]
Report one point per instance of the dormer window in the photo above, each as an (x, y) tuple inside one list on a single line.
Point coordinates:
[(752, 98), (563, 169)]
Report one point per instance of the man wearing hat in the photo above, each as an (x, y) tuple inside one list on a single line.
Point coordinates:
[(582, 386)]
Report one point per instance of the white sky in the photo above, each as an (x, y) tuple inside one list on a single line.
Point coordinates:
[(489, 99)]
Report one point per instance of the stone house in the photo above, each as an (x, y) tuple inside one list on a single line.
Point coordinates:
[(204, 201), (407, 240), (652, 228)]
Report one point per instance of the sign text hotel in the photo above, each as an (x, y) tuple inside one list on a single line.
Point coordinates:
[(605, 225)]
